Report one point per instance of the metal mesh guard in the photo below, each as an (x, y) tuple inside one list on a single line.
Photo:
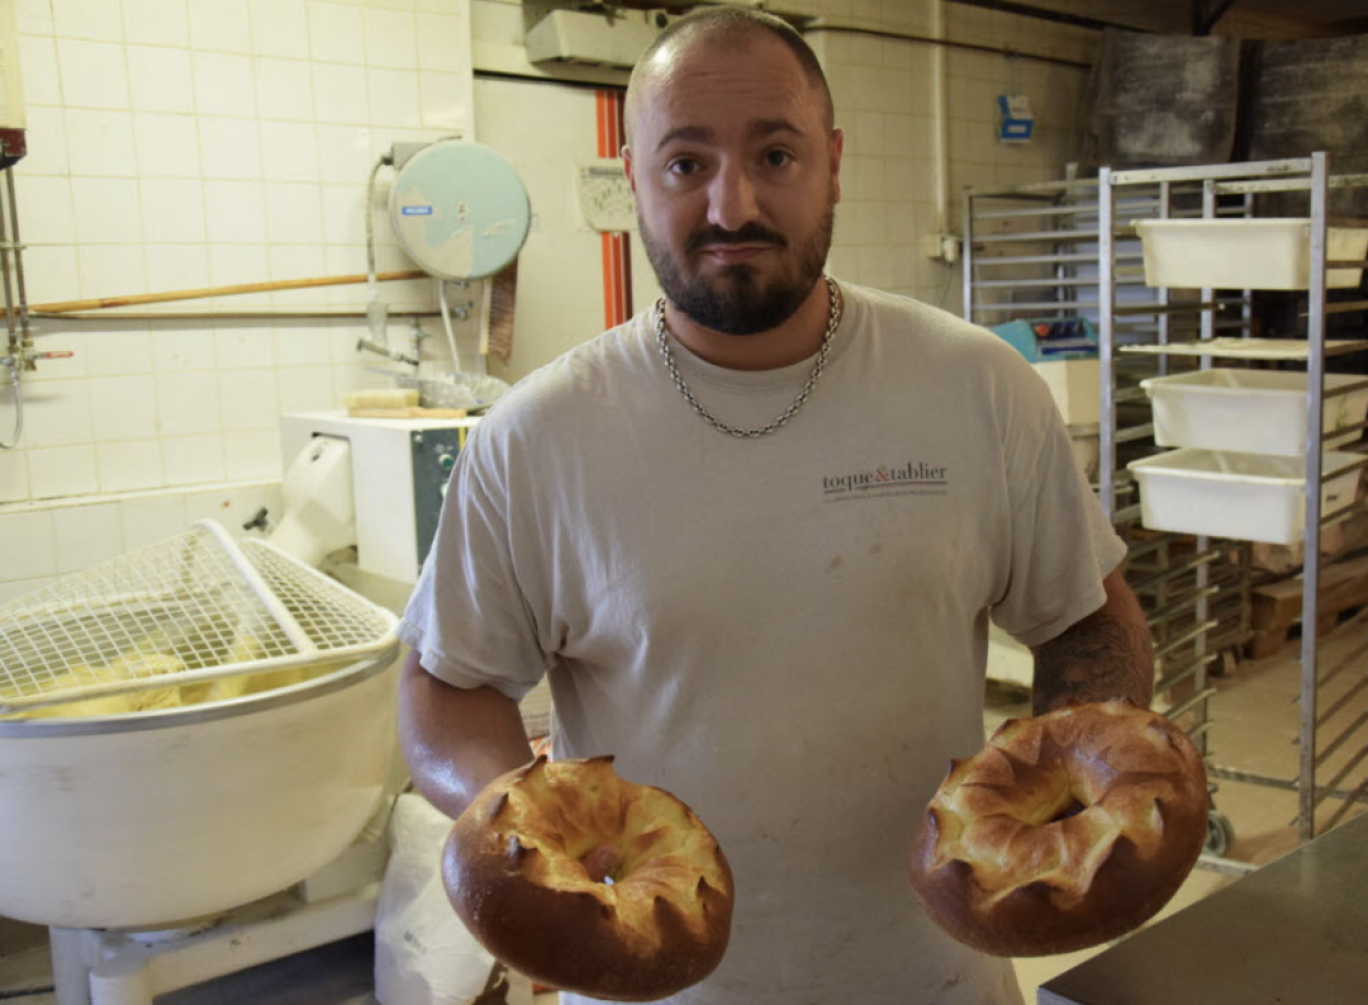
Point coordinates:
[(196, 606)]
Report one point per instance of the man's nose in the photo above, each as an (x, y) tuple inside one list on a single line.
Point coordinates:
[(732, 198)]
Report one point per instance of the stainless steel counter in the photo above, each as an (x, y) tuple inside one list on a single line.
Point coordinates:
[(1295, 931)]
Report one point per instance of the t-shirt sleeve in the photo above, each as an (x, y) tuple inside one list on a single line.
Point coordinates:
[(1062, 545), (468, 618)]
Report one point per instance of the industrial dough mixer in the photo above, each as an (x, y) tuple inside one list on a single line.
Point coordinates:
[(185, 730)]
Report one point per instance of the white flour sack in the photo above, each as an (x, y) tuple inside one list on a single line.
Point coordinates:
[(423, 953)]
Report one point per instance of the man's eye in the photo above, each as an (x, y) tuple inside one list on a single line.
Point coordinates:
[(682, 166), (777, 158)]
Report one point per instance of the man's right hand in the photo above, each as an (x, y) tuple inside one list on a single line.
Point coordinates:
[(601, 862)]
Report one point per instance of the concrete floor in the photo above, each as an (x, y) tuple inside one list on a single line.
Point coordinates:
[(1255, 724)]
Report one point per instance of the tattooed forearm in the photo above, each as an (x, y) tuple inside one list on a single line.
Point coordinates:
[(1106, 655)]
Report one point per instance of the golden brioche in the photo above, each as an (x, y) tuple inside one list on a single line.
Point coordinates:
[(1067, 830), (514, 869)]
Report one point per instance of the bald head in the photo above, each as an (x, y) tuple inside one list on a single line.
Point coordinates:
[(725, 29)]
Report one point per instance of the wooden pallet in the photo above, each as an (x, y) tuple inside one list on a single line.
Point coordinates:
[(1276, 607)]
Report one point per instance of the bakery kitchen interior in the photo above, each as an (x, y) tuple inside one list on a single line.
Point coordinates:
[(267, 263)]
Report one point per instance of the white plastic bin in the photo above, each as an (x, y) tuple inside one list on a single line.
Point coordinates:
[(1240, 496), (1272, 253), (1074, 384), (1253, 411)]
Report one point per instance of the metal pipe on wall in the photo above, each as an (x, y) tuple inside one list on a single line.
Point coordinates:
[(941, 119), (104, 303), (19, 344)]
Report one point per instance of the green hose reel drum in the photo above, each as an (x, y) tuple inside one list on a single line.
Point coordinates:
[(459, 210)]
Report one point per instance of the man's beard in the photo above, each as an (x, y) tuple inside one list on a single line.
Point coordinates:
[(735, 303)]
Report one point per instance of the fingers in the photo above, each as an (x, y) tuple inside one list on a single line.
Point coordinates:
[(601, 862)]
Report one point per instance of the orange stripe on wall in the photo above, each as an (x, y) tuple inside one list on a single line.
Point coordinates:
[(627, 310), (606, 244), (615, 248), (625, 274), (600, 132), (624, 239), (620, 270), (611, 286), (615, 125), (605, 99), (617, 279), (617, 274)]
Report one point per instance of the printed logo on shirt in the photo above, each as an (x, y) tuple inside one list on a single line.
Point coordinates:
[(919, 478)]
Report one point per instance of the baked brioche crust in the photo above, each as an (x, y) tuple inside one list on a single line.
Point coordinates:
[(1067, 830), (514, 873)]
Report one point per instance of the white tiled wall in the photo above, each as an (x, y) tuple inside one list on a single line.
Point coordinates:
[(885, 87), (180, 144), (571, 309), (183, 144), (42, 542)]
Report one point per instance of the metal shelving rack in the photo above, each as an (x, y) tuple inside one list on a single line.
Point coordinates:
[(1036, 252), (1333, 735), (1030, 250)]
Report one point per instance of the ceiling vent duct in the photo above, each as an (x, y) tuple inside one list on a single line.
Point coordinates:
[(616, 38)]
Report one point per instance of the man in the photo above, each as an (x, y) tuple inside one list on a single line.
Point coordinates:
[(755, 536)]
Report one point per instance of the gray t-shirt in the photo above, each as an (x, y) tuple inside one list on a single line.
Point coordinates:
[(790, 632)]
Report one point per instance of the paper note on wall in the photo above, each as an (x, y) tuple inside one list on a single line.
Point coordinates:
[(605, 197)]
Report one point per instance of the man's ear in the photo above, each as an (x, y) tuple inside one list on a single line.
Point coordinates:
[(837, 147), (627, 167)]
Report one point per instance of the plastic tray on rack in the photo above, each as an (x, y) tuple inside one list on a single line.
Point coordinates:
[(1239, 347), (1256, 254), (1245, 497), (1253, 411)]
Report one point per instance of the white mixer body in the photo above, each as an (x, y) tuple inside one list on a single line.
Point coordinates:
[(320, 508), (156, 819)]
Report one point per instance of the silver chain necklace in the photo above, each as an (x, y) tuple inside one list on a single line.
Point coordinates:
[(663, 340)]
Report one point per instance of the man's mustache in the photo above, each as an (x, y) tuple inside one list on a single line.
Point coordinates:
[(751, 233)]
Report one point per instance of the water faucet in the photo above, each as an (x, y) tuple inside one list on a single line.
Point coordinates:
[(398, 355)]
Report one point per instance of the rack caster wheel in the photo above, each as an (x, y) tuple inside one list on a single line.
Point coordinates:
[(1220, 833)]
